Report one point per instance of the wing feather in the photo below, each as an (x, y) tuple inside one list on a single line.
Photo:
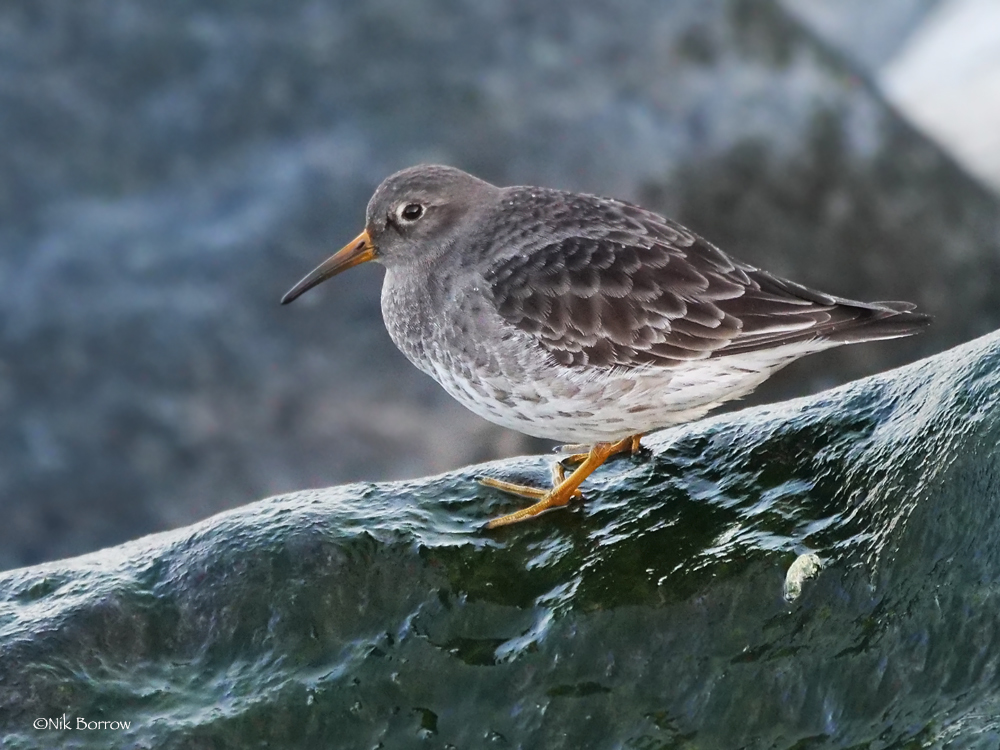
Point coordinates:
[(623, 287)]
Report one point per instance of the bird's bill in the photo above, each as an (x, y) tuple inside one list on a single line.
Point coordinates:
[(357, 251)]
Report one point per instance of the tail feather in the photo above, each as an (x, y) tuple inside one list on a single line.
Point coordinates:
[(774, 312), (896, 306), (876, 321), (842, 322)]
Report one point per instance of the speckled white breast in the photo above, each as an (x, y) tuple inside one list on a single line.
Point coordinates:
[(602, 406)]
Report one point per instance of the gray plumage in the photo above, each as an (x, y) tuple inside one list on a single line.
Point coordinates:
[(586, 319)]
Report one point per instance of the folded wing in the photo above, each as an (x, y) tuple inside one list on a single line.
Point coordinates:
[(637, 290)]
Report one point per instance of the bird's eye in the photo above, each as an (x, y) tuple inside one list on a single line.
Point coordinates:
[(410, 211)]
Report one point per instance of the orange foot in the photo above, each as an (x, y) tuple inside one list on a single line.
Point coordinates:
[(564, 488)]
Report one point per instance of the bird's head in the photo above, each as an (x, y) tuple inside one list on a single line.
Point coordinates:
[(414, 216)]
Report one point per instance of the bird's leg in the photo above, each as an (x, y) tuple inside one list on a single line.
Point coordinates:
[(558, 470), (532, 493), (559, 495), (564, 488), (631, 444)]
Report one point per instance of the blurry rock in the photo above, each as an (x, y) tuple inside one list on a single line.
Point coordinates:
[(870, 34), (946, 79), (654, 614), (935, 60), (171, 169)]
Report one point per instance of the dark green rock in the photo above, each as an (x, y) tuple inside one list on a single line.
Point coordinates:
[(654, 615)]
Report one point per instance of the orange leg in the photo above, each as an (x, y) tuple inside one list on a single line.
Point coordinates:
[(564, 488), (578, 458)]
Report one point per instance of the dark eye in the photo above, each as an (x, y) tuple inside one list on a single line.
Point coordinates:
[(411, 212)]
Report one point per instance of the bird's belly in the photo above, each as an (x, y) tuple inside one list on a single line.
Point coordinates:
[(601, 407)]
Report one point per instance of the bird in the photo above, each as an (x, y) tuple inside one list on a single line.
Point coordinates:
[(581, 319)]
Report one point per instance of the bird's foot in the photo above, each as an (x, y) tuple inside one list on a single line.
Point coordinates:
[(545, 500), (564, 488), (532, 493), (521, 490)]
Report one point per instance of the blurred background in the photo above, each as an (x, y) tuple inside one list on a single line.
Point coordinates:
[(169, 170)]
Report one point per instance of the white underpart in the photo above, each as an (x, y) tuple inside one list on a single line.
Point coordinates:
[(603, 406)]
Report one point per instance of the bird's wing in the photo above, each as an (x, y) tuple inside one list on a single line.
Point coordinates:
[(639, 290)]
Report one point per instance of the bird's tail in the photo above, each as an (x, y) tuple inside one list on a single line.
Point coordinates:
[(875, 321)]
